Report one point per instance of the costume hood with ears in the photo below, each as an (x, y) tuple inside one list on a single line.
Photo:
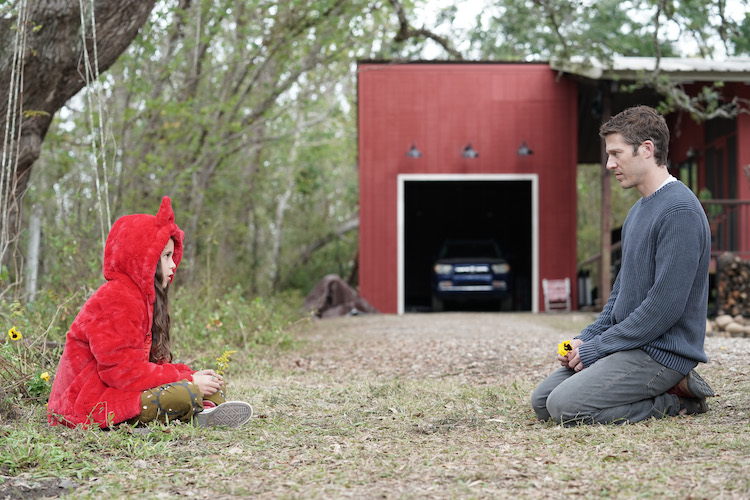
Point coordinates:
[(135, 243), (105, 366)]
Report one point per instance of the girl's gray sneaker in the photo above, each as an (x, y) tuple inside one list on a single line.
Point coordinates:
[(229, 414)]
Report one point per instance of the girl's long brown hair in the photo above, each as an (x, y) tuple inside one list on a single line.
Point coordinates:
[(160, 345)]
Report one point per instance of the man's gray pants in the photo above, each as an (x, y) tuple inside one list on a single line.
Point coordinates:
[(624, 387)]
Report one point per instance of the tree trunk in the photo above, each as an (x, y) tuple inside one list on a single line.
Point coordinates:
[(32, 253), (53, 69)]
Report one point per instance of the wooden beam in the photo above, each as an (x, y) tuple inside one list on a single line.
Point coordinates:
[(605, 262)]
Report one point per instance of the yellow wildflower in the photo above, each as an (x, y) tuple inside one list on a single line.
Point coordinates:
[(222, 362), (44, 376), (14, 334), (564, 348)]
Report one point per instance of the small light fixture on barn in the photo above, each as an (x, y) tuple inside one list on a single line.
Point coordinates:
[(414, 152), (524, 150), (470, 152)]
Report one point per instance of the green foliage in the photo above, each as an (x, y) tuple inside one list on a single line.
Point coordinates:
[(33, 447), (242, 112), (564, 30), (27, 361), (568, 29), (27, 448), (204, 328), (741, 37), (337, 257)]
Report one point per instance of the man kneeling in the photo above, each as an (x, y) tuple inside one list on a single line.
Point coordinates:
[(636, 360)]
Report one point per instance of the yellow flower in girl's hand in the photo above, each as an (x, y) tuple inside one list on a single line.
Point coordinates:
[(14, 334), (564, 348)]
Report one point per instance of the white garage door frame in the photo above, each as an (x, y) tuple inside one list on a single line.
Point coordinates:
[(402, 179)]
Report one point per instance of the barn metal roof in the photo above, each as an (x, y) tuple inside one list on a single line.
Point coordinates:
[(677, 69)]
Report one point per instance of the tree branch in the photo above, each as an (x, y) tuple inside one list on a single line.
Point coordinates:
[(316, 245), (406, 31), (550, 13)]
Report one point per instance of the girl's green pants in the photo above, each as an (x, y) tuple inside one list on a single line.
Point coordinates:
[(176, 401)]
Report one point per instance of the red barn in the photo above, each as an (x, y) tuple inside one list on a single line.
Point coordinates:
[(527, 127), (520, 188)]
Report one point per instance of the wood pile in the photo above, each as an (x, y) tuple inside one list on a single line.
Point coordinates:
[(728, 326), (733, 286)]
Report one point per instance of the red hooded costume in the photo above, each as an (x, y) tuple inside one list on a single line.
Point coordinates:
[(105, 365)]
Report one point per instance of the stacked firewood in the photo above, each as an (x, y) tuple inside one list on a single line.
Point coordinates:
[(733, 286), (733, 298)]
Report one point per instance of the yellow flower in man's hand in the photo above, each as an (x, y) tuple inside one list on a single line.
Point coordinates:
[(44, 376), (14, 334), (564, 348)]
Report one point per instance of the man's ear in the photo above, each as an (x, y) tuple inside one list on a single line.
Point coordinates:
[(648, 148)]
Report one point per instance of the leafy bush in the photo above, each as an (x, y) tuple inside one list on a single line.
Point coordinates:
[(232, 321), (27, 358)]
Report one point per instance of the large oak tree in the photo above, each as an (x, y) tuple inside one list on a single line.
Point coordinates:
[(47, 47)]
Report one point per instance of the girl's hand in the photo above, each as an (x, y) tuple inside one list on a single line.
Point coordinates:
[(208, 381)]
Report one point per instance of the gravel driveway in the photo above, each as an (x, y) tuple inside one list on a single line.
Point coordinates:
[(491, 348)]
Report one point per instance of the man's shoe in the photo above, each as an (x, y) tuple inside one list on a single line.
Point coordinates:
[(693, 406), (696, 386), (692, 386), (230, 414)]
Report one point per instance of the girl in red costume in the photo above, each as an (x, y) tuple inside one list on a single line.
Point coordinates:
[(117, 363)]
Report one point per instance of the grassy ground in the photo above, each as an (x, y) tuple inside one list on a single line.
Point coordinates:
[(331, 424)]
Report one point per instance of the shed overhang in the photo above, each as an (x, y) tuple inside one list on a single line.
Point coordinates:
[(679, 70)]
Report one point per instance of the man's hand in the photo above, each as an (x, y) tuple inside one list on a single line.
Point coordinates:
[(572, 360), (564, 347)]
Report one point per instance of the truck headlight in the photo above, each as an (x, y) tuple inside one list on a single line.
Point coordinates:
[(443, 268), (501, 268)]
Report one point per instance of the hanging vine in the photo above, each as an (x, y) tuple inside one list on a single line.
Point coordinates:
[(91, 76), (13, 121)]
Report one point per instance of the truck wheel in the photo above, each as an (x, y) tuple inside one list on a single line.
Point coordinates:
[(506, 304), (437, 304)]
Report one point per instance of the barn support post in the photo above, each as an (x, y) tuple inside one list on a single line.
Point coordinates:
[(605, 262)]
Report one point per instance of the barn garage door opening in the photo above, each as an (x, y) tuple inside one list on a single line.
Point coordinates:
[(434, 209)]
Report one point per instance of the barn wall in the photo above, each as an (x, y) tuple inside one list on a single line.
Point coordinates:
[(687, 133), (742, 90), (441, 108)]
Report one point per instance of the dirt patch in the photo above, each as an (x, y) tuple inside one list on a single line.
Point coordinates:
[(482, 348), (17, 488)]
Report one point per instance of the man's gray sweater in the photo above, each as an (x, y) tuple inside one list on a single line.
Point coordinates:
[(660, 297)]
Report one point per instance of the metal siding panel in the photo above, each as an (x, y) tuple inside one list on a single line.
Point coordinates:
[(743, 145)]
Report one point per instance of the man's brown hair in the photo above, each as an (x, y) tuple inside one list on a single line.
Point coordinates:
[(639, 124)]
